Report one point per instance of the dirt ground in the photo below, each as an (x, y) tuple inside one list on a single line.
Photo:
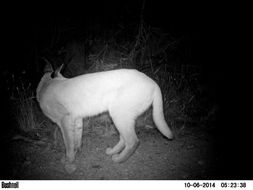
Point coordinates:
[(188, 156)]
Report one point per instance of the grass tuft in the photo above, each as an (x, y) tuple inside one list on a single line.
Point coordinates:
[(25, 113), (144, 48)]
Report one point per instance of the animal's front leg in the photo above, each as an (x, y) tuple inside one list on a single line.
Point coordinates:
[(68, 133), (68, 129), (78, 133)]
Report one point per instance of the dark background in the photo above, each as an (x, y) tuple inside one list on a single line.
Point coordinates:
[(209, 33)]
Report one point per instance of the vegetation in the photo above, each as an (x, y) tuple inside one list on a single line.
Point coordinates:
[(147, 49)]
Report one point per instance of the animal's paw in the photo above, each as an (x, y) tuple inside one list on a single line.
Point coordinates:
[(108, 151), (116, 158), (70, 168)]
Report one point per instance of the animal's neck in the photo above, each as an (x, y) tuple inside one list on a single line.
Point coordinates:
[(44, 82)]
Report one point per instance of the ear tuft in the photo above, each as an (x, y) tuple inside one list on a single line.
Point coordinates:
[(48, 67), (57, 72)]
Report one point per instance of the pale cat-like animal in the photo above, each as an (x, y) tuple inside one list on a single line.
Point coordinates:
[(124, 93)]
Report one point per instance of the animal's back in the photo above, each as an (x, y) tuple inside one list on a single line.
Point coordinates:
[(94, 92)]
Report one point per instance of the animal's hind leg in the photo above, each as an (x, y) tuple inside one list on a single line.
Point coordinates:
[(126, 126), (78, 133), (117, 148)]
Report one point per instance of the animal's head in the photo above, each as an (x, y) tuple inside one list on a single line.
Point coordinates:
[(49, 76)]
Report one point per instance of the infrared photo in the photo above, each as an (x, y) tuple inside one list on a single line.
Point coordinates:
[(117, 90)]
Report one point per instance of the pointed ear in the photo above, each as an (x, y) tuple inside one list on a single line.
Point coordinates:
[(58, 70), (48, 67)]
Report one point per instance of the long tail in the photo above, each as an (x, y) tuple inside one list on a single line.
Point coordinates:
[(158, 115)]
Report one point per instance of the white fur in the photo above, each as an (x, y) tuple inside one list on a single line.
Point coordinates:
[(124, 93)]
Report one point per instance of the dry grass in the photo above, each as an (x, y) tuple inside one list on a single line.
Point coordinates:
[(149, 54), (25, 109), (25, 114), (149, 51)]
